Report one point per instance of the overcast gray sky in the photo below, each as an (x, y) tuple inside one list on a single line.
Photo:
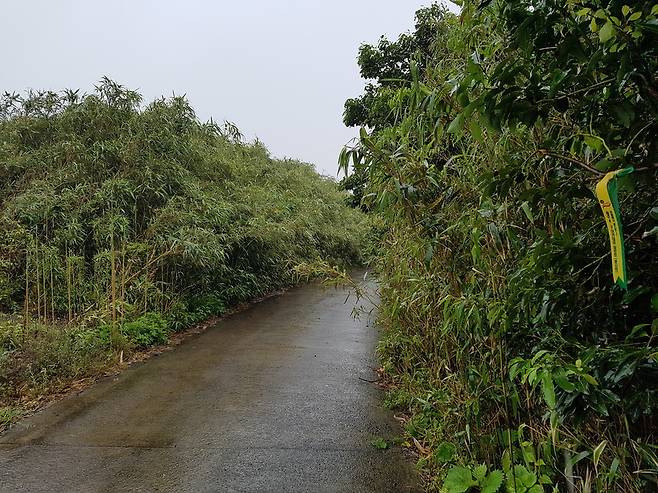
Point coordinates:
[(279, 69)]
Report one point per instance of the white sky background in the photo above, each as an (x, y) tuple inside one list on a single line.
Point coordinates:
[(280, 69)]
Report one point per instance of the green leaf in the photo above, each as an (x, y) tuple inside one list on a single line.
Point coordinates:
[(429, 253), (596, 455), (604, 165), (457, 124), (590, 379), (520, 479), (476, 251), (625, 10), (594, 142), (459, 480), (554, 419), (506, 461), (651, 25), (444, 452), (563, 382), (544, 479), (578, 457), (379, 443), (476, 131), (492, 482), (549, 389), (635, 16), (480, 472), (528, 212), (607, 32)]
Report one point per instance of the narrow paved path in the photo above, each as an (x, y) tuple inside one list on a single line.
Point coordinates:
[(268, 400)]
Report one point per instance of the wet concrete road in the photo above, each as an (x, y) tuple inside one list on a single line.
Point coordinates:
[(268, 400)]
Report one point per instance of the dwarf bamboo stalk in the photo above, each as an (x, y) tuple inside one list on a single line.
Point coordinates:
[(146, 282), (52, 292), (44, 288), (26, 301), (123, 276), (68, 284), (79, 287), (38, 280), (44, 275), (115, 334)]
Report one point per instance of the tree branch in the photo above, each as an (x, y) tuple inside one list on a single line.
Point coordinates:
[(582, 164)]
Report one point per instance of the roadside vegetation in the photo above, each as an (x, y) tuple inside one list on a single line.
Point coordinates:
[(519, 364), (121, 223)]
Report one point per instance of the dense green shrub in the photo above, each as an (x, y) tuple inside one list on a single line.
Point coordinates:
[(507, 340), (185, 314), (148, 330), (38, 357), (120, 222), (111, 207)]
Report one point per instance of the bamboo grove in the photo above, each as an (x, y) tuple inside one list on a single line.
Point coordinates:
[(121, 222), (519, 364)]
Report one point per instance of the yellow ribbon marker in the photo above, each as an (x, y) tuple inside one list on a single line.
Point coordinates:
[(606, 193)]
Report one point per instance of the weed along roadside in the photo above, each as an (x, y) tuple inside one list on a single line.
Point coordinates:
[(93, 367), (122, 224)]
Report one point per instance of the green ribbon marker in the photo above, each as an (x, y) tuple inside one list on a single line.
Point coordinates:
[(606, 193)]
